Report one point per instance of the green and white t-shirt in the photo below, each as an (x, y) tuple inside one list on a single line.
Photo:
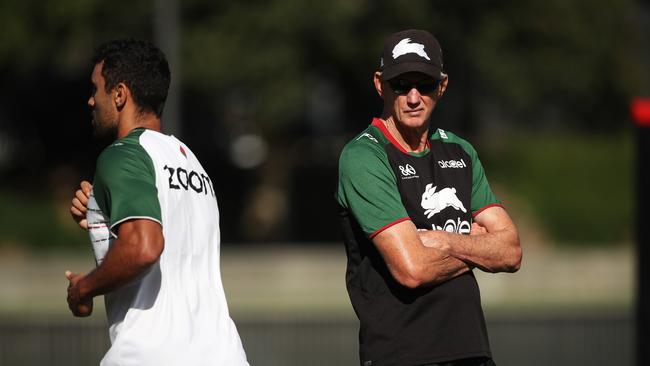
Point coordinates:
[(176, 313)]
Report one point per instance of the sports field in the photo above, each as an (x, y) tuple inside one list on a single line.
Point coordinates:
[(290, 305)]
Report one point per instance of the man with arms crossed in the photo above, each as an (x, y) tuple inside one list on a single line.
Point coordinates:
[(418, 216), (153, 222)]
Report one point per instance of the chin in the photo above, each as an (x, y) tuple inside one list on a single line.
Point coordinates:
[(413, 122), (104, 132)]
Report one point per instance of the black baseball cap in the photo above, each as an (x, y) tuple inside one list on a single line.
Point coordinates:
[(411, 50)]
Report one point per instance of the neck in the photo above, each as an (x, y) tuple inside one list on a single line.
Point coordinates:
[(411, 139), (133, 121)]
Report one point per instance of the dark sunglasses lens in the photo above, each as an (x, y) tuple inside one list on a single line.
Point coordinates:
[(404, 86), (398, 86), (427, 87)]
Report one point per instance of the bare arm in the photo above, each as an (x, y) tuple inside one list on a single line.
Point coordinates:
[(496, 250), (139, 244), (411, 263)]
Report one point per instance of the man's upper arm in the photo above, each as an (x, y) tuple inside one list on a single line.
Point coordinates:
[(368, 189), (144, 234), (494, 218), (125, 185), (398, 246)]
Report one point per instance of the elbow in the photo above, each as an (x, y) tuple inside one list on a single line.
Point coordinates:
[(149, 258), (410, 282), (410, 277), (151, 251), (514, 261)]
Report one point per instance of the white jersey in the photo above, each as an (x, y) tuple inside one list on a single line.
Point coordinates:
[(176, 313)]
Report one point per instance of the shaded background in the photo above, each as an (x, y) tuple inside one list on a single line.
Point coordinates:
[(267, 93)]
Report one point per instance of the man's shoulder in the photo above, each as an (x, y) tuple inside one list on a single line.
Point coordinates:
[(119, 150), (446, 136), (369, 142), (449, 137), (123, 151)]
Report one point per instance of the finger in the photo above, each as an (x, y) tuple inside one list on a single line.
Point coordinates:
[(83, 198), (82, 313), (82, 309), (79, 205), (83, 223), (477, 229), (69, 275), (86, 187), (76, 213)]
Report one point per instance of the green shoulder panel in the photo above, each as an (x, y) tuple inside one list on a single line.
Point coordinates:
[(125, 181), (367, 185), (482, 194)]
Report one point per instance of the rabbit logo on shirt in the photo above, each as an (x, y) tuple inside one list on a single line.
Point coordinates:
[(434, 202)]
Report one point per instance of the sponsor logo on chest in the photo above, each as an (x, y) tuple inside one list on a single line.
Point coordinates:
[(455, 164), (408, 171)]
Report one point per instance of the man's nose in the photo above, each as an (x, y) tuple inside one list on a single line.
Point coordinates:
[(413, 96), (91, 102)]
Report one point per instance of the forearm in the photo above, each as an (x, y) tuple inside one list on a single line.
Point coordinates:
[(138, 246), (439, 267), (497, 251), (121, 265), (411, 263)]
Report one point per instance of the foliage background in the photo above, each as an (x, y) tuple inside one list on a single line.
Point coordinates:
[(541, 88), (267, 93)]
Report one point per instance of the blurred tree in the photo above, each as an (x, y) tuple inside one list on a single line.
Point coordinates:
[(559, 63), (287, 82)]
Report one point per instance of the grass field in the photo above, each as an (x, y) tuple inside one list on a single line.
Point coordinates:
[(308, 281)]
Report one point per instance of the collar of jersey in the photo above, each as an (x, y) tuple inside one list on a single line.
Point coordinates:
[(382, 127)]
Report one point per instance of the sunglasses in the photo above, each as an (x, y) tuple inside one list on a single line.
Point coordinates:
[(402, 86)]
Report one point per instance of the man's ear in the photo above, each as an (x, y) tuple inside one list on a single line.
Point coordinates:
[(443, 85), (120, 95), (377, 81)]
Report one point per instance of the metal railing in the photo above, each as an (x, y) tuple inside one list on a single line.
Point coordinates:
[(516, 341)]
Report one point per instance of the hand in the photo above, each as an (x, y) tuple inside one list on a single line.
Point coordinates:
[(79, 205), (477, 229), (79, 306)]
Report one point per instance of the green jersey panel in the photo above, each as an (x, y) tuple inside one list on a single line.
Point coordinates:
[(125, 182), (482, 194), (368, 192)]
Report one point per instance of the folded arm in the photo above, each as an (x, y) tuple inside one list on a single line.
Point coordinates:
[(410, 262), (496, 250)]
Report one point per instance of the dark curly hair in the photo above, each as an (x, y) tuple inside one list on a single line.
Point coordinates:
[(141, 66)]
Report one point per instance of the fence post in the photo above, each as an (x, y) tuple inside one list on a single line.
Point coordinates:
[(640, 112)]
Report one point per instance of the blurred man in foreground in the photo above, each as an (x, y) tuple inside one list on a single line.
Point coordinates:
[(153, 222), (418, 216)]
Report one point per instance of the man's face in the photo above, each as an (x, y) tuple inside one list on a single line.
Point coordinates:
[(101, 105), (413, 96)]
